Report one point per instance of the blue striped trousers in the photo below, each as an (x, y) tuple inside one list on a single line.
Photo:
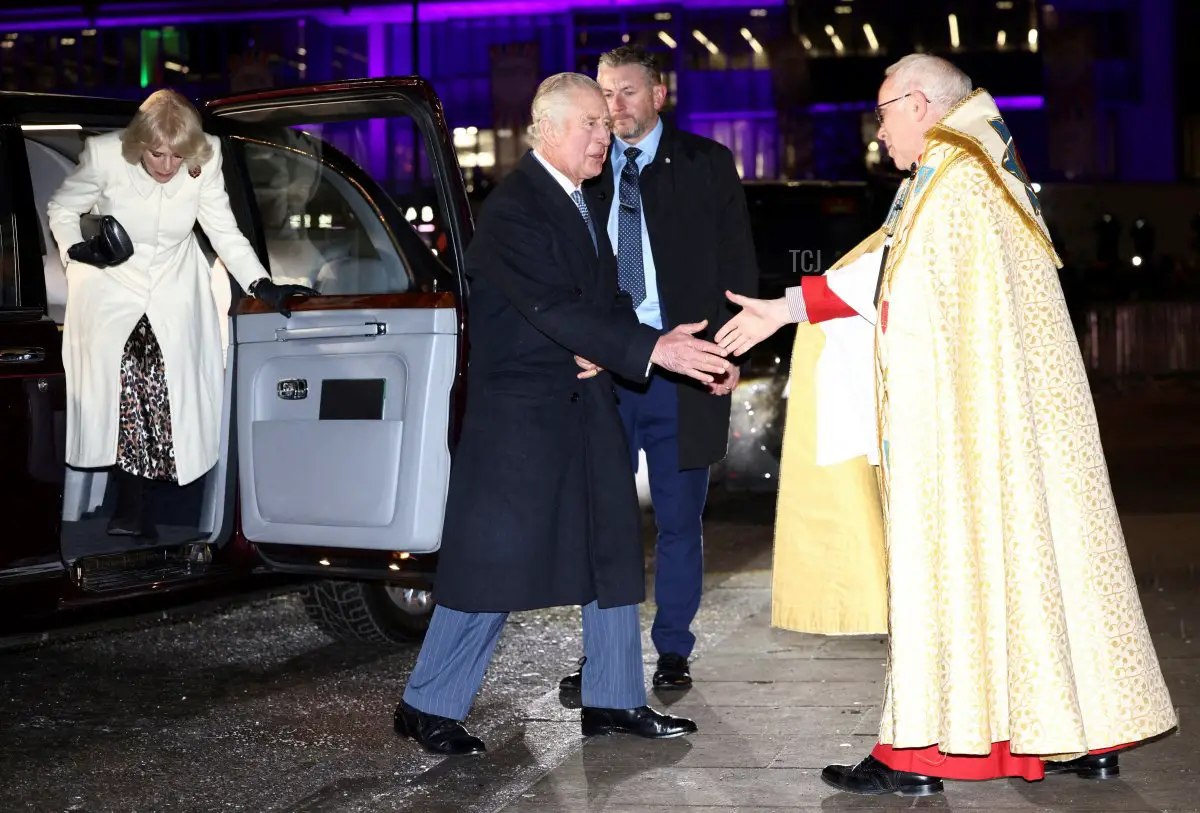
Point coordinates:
[(458, 648)]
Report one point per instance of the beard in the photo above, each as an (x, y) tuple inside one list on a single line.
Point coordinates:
[(632, 129)]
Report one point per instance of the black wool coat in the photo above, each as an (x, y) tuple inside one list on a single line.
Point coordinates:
[(702, 244), (542, 508)]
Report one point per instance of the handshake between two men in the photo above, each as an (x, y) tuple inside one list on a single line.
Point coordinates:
[(679, 351)]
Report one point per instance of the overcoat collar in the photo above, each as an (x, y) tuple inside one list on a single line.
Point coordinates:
[(560, 205), (146, 185)]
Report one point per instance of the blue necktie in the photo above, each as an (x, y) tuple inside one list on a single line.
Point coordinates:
[(577, 196), (631, 274)]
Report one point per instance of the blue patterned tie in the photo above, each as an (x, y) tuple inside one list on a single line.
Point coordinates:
[(577, 196), (631, 275)]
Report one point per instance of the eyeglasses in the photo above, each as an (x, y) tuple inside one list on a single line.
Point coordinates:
[(879, 107)]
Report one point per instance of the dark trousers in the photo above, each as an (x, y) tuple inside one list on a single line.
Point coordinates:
[(651, 417)]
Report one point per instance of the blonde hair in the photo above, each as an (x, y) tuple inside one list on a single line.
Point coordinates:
[(553, 99), (943, 84), (166, 118)]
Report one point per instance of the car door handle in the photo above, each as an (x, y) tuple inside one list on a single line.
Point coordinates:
[(22, 355), (288, 334)]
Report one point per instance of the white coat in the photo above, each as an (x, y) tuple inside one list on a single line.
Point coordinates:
[(167, 279)]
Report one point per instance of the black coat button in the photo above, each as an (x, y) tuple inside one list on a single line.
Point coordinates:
[(574, 397), (577, 292)]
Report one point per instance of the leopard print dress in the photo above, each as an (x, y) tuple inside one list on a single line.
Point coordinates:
[(145, 447)]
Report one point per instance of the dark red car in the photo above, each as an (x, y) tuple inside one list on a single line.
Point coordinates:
[(339, 422)]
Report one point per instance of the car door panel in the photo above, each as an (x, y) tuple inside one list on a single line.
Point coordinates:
[(316, 474), (32, 390), (346, 411), (33, 411)]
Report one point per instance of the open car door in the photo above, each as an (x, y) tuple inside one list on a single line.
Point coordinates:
[(345, 412)]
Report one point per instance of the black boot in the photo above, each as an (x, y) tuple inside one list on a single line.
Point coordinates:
[(132, 515)]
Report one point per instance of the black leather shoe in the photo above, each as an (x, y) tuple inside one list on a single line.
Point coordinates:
[(872, 778), (642, 721), (672, 672), (438, 735), (573, 683), (1088, 766)]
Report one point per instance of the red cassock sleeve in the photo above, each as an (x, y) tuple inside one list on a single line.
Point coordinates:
[(821, 303)]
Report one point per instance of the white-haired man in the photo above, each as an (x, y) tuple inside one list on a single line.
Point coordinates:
[(1017, 642), (658, 184), (542, 509)]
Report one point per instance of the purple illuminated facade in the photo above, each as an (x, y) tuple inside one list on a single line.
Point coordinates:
[(788, 85)]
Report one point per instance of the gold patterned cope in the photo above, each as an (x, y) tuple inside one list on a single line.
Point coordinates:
[(1014, 614)]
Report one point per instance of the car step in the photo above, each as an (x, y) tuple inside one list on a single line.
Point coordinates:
[(134, 569)]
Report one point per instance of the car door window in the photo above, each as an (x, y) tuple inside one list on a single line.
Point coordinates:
[(323, 230), (53, 153), (48, 168)]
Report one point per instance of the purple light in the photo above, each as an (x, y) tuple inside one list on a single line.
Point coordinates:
[(474, 9), (1020, 102), (154, 21), (731, 115), (1002, 102), (376, 51), (397, 13)]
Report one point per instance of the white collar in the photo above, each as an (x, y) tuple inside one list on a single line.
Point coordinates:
[(563, 180), (146, 185)]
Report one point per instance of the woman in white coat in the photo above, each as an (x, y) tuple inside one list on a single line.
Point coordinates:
[(141, 339)]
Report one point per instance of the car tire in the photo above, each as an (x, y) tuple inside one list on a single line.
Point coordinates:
[(368, 612)]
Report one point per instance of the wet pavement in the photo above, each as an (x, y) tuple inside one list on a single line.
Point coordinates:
[(249, 708)]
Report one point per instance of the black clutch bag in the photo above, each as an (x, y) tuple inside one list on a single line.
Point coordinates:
[(107, 243)]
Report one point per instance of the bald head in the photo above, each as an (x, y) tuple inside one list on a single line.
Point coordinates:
[(915, 94), (942, 84)]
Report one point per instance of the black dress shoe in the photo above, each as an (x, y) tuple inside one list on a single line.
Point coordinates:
[(1088, 766), (672, 672), (573, 683), (438, 735), (642, 721), (872, 778)]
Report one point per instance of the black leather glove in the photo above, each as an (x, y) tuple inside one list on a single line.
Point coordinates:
[(86, 253), (108, 245), (277, 295)]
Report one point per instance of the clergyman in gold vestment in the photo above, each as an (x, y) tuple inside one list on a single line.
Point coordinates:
[(1017, 643)]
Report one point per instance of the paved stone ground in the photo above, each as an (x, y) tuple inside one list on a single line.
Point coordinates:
[(774, 707), (248, 708)]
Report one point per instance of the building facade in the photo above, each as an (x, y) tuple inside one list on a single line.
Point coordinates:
[(789, 85)]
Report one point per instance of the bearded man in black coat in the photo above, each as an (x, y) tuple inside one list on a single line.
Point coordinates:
[(542, 509)]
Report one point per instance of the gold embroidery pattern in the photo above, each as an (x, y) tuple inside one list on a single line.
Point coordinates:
[(1014, 614)]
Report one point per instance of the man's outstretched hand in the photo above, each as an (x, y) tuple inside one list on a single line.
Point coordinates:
[(758, 320), (681, 352)]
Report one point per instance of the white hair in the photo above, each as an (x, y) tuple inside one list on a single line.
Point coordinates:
[(942, 83), (553, 101)]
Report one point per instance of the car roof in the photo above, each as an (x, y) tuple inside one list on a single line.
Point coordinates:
[(18, 105)]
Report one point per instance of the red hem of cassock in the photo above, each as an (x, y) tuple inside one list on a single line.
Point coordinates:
[(821, 303), (1000, 763)]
